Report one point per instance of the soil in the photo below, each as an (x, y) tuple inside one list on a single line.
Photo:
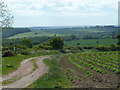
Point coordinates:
[(97, 80)]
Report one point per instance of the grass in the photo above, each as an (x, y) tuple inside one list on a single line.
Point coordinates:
[(55, 78), (11, 80), (10, 64), (34, 64), (92, 42)]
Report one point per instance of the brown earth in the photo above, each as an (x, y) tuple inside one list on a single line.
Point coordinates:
[(80, 80)]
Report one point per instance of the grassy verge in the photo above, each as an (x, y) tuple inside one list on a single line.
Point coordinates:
[(10, 64), (55, 78), (34, 64), (11, 80)]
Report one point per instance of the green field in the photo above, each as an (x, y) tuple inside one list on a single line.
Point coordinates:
[(33, 34), (92, 42)]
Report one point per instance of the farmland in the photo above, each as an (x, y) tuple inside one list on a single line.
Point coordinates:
[(85, 57), (60, 44), (33, 34), (94, 69), (92, 42)]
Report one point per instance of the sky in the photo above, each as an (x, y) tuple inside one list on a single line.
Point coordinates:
[(30, 13)]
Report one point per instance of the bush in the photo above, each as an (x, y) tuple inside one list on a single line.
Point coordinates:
[(73, 49), (8, 53), (102, 48), (25, 52), (63, 51), (27, 42), (108, 48), (88, 47), (56, 42), (45, 47), (8, 65)]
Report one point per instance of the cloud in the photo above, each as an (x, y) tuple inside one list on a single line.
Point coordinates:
[(63, 12), (63, 7)]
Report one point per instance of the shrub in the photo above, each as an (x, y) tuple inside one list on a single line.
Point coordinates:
[(56, 42), (63, 51), (8, 53), (25, 52), (27, 42), (8, 65), (108, 48), (73, 49), (45, 47), (102, 48)]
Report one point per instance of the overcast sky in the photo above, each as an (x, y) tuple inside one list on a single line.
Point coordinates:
[(29, 13)]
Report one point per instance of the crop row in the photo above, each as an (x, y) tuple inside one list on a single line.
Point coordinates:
[(93, 61), (99, 59), (112, 56), (90, 66), (78, 66), (108, 58)]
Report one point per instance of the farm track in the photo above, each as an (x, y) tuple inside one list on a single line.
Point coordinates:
[(28, 76)]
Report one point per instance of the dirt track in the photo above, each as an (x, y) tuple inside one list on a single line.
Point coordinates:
[(24, 70)]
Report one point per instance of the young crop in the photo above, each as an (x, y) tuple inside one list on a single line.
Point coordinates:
[(90, 65), (80, 67), (105, 66), (102, 61), (106, 60)]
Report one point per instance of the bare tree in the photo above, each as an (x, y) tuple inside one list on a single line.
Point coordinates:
[(6, 18)]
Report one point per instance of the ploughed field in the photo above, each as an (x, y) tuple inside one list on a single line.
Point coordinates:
[(93, 70)]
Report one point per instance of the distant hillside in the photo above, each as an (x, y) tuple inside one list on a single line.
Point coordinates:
[(81, 32), (7, 32), (77, 30), (33, 34)]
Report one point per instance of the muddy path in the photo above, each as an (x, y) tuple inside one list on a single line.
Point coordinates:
[(24, 70)]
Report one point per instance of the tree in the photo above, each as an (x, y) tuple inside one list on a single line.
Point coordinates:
[(6, 19), (73, 37), (118, 37), (27, 42), (56, 42)]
